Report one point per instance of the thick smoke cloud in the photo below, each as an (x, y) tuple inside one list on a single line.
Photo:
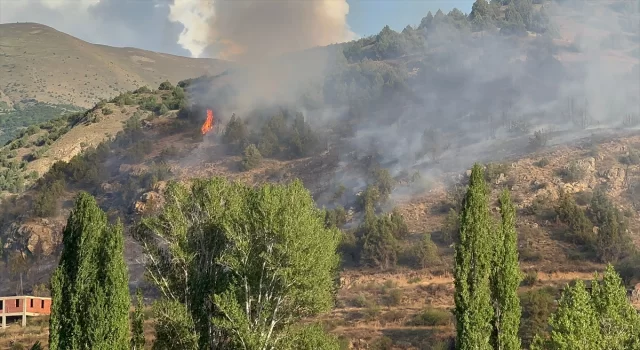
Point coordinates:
[(475, 91), (253, 30)]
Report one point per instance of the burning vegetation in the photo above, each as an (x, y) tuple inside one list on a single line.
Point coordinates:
[(208, 123)]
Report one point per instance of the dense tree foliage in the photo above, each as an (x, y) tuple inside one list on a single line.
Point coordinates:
[(602, 318), (264, 254)]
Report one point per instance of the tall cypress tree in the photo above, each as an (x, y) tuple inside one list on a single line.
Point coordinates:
[(472, 269), (113, 286), (87, 286), (505, 281)]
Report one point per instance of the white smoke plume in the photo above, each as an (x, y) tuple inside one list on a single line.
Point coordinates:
[(194, 15), (255, 29)]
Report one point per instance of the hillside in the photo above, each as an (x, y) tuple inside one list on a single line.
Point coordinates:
[(41, 63), (47, 73), (396, 119)]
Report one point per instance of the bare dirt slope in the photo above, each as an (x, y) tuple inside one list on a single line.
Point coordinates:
[(39, 62)]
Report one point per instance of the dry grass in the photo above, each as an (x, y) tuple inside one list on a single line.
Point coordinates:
[(37, 329)]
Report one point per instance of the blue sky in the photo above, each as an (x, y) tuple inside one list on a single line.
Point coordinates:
[(367, 17)]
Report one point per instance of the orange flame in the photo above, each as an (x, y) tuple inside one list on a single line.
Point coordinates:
[(208, 124)]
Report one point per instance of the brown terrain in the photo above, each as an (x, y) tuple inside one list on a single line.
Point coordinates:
[(39, 62), (372, 304)]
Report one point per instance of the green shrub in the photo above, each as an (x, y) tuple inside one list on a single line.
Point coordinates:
[(543, 162), (632, 158), (142, 90), (393, 297), (530, 278), (493, 170), (161, 109), (165, 85), (360, 301), (382, 343), (432, 317), (573, 172), (450, 227), (538, 140), (46, 203), (537, 306)]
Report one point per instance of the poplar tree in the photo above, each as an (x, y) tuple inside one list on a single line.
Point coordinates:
[(505, 281), (240, 266), (472, 269), (89, 288)]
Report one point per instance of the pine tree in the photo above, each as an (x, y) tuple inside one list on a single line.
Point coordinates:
[(137, 324), (89, 288), (574, 325), (472, 268), (619, 321), (480, 15), (505, 281)]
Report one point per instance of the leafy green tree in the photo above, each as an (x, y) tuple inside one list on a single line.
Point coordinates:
[(575, 324), (580, 228), (506, 280), (247, 263), (383, 181), (137, 323), (426, 252), (251, 157), (235, 133), (380, 247), (472, 268), (619, 320), (90, 293), (612, 241)]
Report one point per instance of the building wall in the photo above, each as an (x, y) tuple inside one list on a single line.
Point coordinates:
[(38, 305), (12, 305), (34, 305)]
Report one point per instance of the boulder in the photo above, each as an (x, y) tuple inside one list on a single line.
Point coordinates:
[(40, 237), (635, 293), (148, 201)]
